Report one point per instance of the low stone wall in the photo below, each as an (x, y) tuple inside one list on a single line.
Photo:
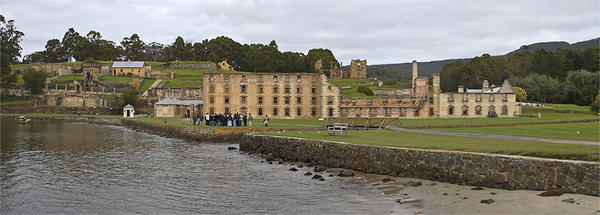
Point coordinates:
[(477, 169), (210, 66)]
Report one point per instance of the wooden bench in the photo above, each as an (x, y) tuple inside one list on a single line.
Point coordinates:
[(341, 128)]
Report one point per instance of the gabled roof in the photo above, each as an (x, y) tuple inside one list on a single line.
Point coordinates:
[(174, 101), (128, 106), (505, 88), (128, 64)]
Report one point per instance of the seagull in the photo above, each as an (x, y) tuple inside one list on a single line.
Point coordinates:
[(577, 132)]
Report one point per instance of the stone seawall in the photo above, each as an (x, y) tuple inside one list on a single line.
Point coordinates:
[(477, 169)]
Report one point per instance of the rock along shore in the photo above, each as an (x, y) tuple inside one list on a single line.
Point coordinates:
[(477, 169)]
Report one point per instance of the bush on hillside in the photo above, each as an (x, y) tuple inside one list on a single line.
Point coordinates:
[(365, 90), (596, 105)]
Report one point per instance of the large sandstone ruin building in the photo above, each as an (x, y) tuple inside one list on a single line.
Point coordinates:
[(278, 95), (421, 102)]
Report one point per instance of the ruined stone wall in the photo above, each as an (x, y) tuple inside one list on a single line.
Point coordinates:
[(358, 68), (179, 93), (390, 107), (421, 86), (77, 100), (14, 91), (209, 66), (477, 105), (330, 99), (478, 169), (275, 94)]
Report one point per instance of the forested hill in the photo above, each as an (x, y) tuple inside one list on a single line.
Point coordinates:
[(429, 68)]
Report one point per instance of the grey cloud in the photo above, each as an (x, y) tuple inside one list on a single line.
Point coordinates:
[(379, 31)]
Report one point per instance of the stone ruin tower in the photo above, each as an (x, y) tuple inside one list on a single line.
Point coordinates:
[(415, 73), (358, 68)]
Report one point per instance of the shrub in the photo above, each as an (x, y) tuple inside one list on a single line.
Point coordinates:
[(365, 90), (595, 106)]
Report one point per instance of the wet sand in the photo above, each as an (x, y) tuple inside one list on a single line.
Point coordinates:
[(444, 198)]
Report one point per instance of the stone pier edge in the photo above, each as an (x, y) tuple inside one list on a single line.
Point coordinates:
[(511, 172)]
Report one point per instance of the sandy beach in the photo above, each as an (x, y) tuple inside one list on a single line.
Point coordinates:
[(444, 198)]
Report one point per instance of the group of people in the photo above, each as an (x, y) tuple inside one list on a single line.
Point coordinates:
[(229, 120)]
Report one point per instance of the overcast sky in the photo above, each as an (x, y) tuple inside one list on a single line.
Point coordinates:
[(379, 31)]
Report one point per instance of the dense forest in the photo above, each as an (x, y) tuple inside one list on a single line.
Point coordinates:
[(243, 57), (432, 67), (563, 76)]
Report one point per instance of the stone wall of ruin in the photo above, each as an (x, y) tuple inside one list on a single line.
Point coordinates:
[(472, 102), (209, 66), (219, 86)]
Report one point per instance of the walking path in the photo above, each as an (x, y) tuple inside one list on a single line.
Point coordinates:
[(495, 136)]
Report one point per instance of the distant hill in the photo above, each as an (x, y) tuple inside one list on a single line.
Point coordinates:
[(432, 67)]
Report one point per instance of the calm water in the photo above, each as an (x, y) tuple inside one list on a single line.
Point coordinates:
[(81, 168)]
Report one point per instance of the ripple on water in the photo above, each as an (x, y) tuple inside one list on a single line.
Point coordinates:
[(81, 168)]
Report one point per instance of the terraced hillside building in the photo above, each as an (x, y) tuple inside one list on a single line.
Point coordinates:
[(134, 68), (278, 95)]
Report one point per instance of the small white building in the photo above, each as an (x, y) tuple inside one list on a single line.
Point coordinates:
[(128, 111)]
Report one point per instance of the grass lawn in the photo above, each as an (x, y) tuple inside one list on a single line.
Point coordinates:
[(547, 116), (146, 84), (12, 101), (392, 138), (587, 131), (67, 79), (569, 107), (111, 78)]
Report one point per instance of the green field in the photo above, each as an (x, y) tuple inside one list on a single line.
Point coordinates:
[(146, 84), (587, 131), (392, 138), (66, 79), (547, 116), (15, 101), (110, 78), (188, 78), (355, 83), (571, 107)]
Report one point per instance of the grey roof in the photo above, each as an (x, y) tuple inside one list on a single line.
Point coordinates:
[(174, 101), (505, 88), (128, 64), (128, 106), (495, 90)]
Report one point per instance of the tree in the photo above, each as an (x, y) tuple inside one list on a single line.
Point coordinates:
[(327, 57), (225, 48), (180, 50), (520, 94), (133, 48), (7, 75), (36, 57), (129, 95), (154, 52), (54, 52), (584, 87), (94, 47), (595, 105), (10, 38), (35, 80), (70, 41)]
